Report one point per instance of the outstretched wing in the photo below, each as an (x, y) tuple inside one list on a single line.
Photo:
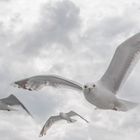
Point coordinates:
[(48, 124), (72, 113), (13, 100), (122, 63), (37, 82)]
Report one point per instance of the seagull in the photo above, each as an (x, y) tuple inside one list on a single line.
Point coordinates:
[(61, 116), (11, 100), (101, 93)]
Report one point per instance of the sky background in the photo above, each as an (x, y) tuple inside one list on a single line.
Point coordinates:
[(75, 39)]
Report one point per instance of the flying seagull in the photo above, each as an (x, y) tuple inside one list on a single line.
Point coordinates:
[(61, 116), (101, 93), (11, 100)]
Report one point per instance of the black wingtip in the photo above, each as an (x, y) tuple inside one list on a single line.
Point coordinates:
[(21, 83)]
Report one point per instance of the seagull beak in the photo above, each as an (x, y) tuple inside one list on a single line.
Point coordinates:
[(90, 89)]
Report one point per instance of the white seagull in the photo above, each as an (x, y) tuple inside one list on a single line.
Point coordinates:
[(61, 116), (101, 93), (11, 100)]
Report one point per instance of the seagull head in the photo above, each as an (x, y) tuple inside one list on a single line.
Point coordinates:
[(89, 87)]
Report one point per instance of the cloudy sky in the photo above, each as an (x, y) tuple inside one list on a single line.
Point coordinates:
[(75, 39)]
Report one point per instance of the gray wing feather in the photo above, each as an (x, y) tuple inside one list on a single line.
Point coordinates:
[(48, 124), (72, 113), (122, 63), (13, 100), (37, 82), (4, 106)]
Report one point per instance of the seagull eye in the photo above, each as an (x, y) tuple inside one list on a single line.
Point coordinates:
[(85, 86), (94, 85)]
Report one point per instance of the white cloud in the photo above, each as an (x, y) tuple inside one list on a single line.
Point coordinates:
[(75, 39)]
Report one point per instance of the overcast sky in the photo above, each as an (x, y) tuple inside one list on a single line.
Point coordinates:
[(75, 39)]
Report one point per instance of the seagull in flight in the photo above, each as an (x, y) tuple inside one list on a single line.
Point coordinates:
[(11, 100), (101, 93), (61, 116)]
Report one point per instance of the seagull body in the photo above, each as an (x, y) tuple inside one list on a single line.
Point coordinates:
[(12, 100), (101, 93), (61, 116)]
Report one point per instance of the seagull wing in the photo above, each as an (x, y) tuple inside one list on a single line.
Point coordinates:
[(48, 124), (6, 107), (122, 63), (37, 82), (13, 100), (72, 113)]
